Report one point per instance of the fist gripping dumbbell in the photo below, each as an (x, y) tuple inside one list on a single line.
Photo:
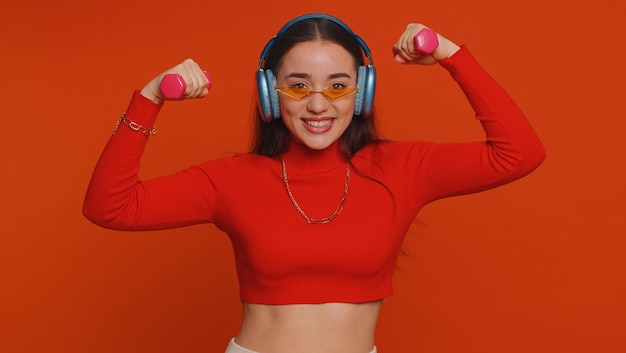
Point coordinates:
[(425, 41), (173, 86)]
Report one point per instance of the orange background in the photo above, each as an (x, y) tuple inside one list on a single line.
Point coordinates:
[(534, 266)]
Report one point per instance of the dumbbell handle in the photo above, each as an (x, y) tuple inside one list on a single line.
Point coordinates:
[(173, 86)]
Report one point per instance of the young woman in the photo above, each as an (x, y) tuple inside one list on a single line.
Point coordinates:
[(317, 211)]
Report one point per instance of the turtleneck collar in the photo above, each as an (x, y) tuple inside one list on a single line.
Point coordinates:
[(301, 159)]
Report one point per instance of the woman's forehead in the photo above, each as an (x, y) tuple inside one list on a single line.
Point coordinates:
[(318, 57)]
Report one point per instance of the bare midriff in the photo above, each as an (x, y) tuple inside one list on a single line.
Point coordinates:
[(328, 327)]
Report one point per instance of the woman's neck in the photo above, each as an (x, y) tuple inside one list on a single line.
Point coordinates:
[(301, 159)]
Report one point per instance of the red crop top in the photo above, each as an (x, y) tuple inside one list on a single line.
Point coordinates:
[(282, 259)]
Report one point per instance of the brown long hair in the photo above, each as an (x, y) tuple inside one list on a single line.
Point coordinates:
[(271, 138)]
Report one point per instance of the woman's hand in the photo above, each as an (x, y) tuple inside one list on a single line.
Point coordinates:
[(195, 80), (407, 53)]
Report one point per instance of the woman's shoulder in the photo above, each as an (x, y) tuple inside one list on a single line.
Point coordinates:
[(238, 160), (389, 148), (401, 157)]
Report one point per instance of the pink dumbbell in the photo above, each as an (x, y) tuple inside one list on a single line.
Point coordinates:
[(173, 86), (425, 41)]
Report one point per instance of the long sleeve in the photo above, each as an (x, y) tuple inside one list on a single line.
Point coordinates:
[(117, 199), (510, 151)]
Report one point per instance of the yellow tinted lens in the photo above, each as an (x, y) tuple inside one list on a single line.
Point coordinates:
[(331, 93), (295, 91), (336, 93)]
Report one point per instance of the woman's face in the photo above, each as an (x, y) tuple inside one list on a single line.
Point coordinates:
[(315, 121)]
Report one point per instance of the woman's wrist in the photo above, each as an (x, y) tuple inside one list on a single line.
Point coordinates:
[(152, 92), (447, 49)]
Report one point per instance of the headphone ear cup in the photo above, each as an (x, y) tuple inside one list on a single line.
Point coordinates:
[(269, 104), (366, 85), (369, 91), (273, 93), (360, 85)]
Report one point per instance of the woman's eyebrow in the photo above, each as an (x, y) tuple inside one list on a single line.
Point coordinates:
[(299, 75), (340, 75), (308, 76)]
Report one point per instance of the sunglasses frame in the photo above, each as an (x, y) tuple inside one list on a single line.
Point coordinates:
[(289, 91)]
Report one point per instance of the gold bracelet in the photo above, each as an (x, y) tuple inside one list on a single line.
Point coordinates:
[(134, 126)]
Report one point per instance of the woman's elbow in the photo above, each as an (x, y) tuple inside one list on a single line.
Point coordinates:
[(530, 160), (94, 214), (98, 214)]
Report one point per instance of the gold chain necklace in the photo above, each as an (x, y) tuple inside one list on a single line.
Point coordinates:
[(299, 209)]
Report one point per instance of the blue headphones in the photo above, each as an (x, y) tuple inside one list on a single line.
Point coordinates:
[(269, 104)]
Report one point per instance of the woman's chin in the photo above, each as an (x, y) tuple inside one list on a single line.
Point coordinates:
[(318, 144)]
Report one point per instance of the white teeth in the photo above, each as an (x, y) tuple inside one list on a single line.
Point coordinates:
[(318, 123)]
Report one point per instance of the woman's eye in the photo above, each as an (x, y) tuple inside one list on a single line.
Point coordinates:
[(338, 86), (299, 85)]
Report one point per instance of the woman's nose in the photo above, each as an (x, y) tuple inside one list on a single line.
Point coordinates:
[(317, 102)]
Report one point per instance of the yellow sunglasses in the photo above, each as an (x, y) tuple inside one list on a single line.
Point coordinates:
[(331, 93)]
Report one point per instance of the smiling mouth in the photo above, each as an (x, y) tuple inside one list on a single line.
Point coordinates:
[(319, 123)]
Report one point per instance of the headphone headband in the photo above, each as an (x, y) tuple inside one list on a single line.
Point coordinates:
[(270, 43)]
